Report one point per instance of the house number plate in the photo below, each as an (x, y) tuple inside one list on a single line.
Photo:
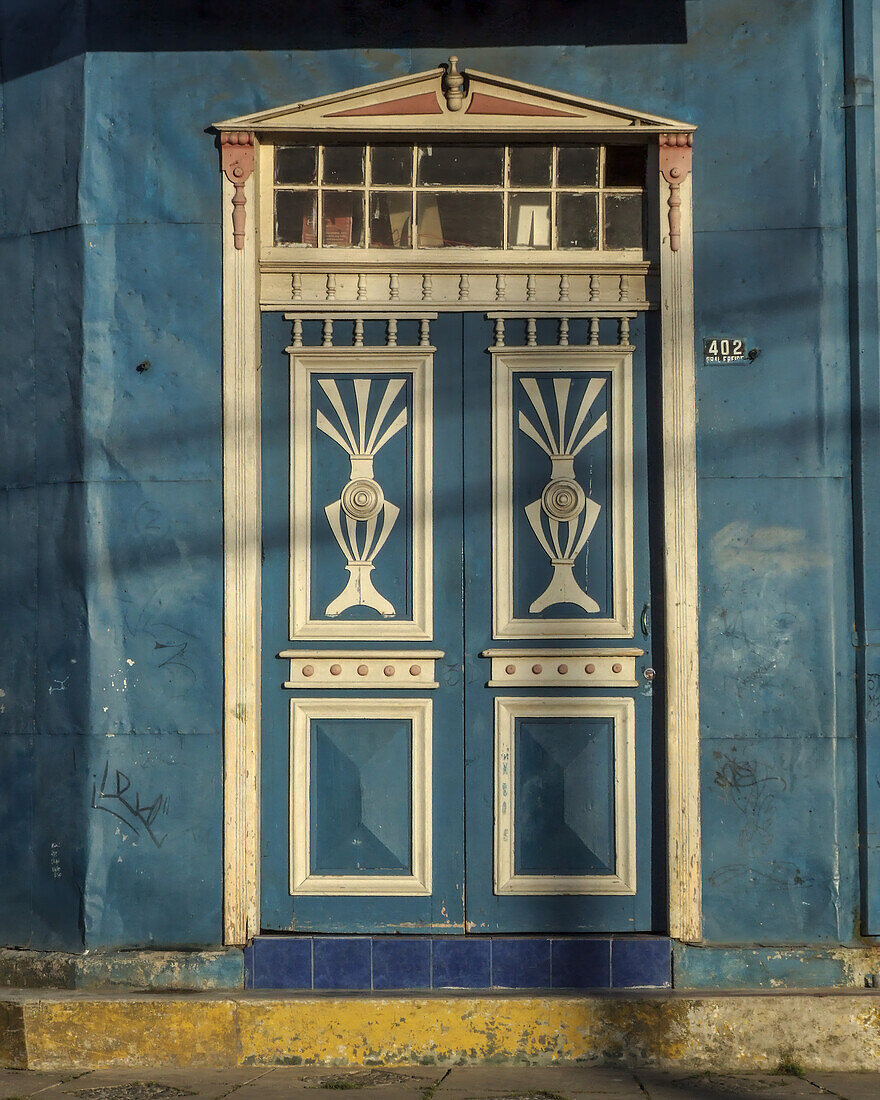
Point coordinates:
[(725, 349)]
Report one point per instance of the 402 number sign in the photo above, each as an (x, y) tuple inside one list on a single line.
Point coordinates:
[(725, 349)]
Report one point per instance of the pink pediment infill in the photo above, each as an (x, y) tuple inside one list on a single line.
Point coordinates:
[(482, 104), (425, 103)]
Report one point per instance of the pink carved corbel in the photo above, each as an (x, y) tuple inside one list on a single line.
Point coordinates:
[(237, 160), (676, 159)]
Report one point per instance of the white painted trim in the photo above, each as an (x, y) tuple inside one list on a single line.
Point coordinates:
[(302, 882), (362, 361), (496, 285), (587, 115), (359, 669), (566, 668), (622, 713), (680, 573), (549, 360), (242, 286), (241, 575)]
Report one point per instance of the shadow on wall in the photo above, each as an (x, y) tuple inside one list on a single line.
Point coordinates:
[(43, 32)]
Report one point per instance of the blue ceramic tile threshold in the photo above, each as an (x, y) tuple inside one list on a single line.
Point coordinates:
[(383, 963)]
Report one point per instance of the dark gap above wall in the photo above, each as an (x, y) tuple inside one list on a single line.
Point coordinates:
[(38, 33)]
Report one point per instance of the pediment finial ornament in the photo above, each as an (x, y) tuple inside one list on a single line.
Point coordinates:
[(453, 85)]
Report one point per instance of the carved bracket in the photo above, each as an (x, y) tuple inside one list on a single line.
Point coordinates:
[(237, 161), (676, 159)]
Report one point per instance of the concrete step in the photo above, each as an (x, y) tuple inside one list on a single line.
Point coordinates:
[(61, 1030)]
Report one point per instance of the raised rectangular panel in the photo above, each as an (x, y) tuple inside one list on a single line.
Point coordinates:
[(360, 797), (360, 513), (359, 669), (564, 796), (568, 668), (563, 487)]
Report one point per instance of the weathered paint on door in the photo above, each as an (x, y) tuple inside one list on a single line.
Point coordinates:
[(466, 775), (569, 824)]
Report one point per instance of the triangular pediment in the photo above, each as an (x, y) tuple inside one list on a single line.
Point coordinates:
[(442, 100)]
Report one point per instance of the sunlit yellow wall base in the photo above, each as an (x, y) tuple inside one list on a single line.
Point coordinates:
[(817, 1031)]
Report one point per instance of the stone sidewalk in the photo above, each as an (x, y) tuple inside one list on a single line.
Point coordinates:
[(428, 1083)]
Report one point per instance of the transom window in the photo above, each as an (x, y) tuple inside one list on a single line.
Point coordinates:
[(585, 197)]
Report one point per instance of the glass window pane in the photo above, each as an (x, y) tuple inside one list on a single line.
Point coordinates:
[(530, 165), (577, 221), (343, 219), (343, 164), (295, 163), (625, 166), (578, 166), (390, 219), (391, 164), (296, 217), (450, 219), (623, 221), (450, 165), (528, 223)]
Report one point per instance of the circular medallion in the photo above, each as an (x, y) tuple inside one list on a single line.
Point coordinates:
[(563, 499), (362, 498)]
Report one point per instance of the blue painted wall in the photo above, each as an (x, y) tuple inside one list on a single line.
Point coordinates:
[(111, 476), (44, 667)]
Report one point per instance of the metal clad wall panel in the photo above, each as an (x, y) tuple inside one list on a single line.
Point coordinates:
[(787, 413), (40, 191), (778, 751), (44, 667), (152, 441), (770, 261)]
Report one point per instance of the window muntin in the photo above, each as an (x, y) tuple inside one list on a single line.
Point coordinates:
[(530, 165), (296, 164), (577, 220), (342, 219), (460, 165), (391, 218), (391, 165), (529, 219), (460, 219), (296, 217), (578, 165), (342, 164), (482, 196), (624, 216)]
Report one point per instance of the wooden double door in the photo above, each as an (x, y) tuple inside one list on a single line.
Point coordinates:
[(458, 727)]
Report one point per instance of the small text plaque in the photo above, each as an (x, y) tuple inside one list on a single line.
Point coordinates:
[(725, 349)]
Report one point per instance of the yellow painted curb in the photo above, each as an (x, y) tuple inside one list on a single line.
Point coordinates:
[(723, 1032)]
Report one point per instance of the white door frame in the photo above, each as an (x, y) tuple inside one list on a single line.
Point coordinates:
[(248, 282)]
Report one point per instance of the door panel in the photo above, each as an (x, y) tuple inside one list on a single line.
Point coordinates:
[(562, 499), (564, 774), (455, 543), (361, 727), (363, 784), (558, 723), (361, 477)]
